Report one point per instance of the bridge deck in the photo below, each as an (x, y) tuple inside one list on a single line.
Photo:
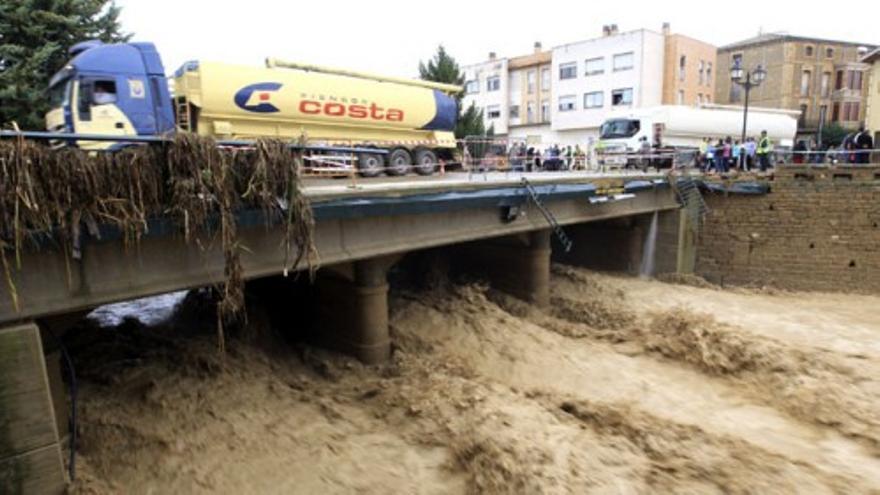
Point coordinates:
[(379, 217)]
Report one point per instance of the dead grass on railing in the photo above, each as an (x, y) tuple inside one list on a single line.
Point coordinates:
[(51, 195)]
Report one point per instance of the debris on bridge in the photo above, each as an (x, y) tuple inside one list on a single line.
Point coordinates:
[(49, 196)]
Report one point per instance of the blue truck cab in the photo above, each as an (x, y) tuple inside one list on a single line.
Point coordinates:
[(117, 89)]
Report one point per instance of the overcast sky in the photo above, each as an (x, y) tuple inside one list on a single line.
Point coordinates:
[(391, 36)]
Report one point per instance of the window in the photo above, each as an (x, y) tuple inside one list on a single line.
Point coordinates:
[(623, 61), (105, 92), (682, 64), (808, 51), (802, 119), (702, 69), (545, 111), (513, 113), (472, 87), (568, 71), (708, 73), (595, 66), (851, 111), (805, 83), (545, 79), (621, 97), (493, 83), (829, 52), (566, 103), (493, 112), (679, 99), (855, 80), (530, 81), (823, 114), (596, 99), (835, 112), (825, 85), (530, 113), (699, 98), (838, 82)]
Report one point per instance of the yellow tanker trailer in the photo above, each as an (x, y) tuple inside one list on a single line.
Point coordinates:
[(121, 89)]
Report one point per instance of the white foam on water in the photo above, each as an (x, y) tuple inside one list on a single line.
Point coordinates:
[(148, 310)]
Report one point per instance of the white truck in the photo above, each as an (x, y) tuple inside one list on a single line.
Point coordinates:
[(670, 129)]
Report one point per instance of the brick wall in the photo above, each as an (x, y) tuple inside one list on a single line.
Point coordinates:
[(815, 230)]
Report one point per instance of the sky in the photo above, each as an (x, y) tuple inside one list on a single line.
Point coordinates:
[(392, 36)]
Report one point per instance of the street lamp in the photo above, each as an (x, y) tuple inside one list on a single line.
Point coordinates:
[(752, 79)]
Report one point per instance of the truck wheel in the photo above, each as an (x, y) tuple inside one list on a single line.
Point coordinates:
[(399, 162), (426, 162), (370, 164)]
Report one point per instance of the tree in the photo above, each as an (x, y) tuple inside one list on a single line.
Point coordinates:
[(833, 134), (34, 38), (444, 69)]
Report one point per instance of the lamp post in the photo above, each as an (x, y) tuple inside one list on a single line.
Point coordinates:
[(752, 79)]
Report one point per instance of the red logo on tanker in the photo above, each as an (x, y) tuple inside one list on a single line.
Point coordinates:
[(351, 110), (258, 97)]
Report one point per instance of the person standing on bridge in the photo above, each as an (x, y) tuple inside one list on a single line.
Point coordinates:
[(864, 143), (765, 147)]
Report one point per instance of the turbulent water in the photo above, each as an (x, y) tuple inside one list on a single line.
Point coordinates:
[(624, 386)]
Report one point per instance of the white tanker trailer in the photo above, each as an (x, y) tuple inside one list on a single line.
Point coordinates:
[(673, 128)]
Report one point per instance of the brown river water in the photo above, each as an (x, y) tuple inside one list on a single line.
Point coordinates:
[(623, 386)]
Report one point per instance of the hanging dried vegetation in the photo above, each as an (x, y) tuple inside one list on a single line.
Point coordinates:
[(55, 193)]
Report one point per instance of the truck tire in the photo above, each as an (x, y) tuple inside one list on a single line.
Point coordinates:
[(370, 164), (399, 162), (426, 162)]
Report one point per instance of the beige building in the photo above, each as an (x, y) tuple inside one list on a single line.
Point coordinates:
[(529, 94), (873, 100), (823, 79), (688, 70)]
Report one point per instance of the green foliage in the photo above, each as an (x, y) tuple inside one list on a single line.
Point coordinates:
[(34, 38), (470, 123), (443, 68), (833, 134)]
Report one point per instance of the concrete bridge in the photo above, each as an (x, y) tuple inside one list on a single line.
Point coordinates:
[(360, 233)]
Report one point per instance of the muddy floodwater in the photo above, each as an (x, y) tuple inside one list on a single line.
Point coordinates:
[(623, 386)]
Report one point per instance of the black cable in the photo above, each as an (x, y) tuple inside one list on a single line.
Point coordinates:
[(71, 420)]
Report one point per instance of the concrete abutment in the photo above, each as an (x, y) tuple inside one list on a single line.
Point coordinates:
[(30, 451)]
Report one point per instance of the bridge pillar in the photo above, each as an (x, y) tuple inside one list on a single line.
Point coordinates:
[(353, 309), (518, 264), (30, 452)]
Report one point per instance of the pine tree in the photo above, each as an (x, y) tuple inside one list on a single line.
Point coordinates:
[(444, 69), (34, 38)]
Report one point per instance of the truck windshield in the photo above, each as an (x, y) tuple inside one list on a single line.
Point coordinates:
[(619, 128), (59, 93)]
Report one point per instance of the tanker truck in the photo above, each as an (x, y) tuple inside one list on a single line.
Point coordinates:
[(670, 129), (121, 89)]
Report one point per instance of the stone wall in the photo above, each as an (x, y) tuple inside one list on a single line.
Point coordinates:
[(817, 229)]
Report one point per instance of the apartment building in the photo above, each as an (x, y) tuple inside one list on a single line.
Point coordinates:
[(563, 95), (688, 70), (872, 102), (823, 79), (529, 84), (486, 86), (594, 77)]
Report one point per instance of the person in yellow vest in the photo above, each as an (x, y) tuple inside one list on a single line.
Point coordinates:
[(765, 147)]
